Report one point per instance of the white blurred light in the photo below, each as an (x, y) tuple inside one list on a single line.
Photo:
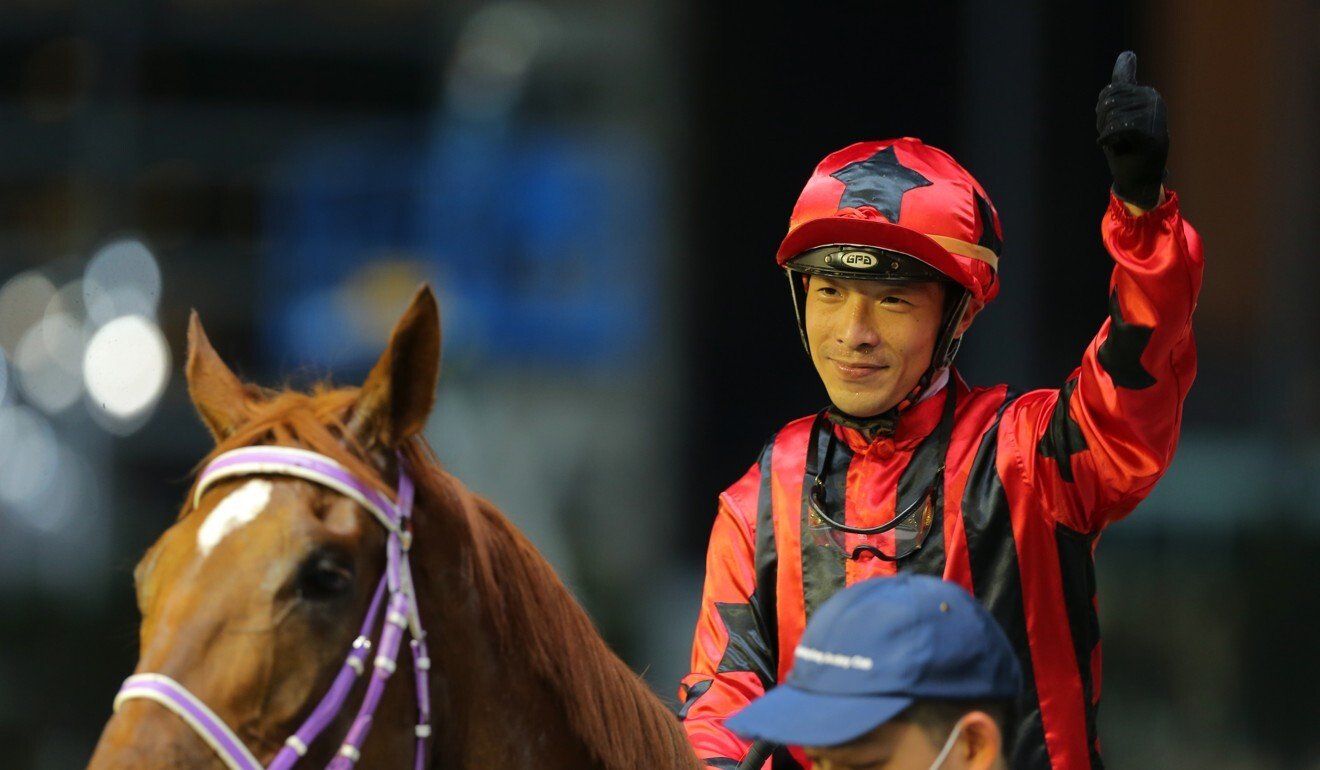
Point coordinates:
[(126, 369), (63, 496), (123, 278), (494, 56), (29, 459), (49, 362), (23, 301), (69, 301)]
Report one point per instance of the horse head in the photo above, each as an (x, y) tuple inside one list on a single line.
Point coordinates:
[(252, 598), (299, 556)]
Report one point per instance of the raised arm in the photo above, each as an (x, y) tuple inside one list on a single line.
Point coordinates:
[(1095, 447)]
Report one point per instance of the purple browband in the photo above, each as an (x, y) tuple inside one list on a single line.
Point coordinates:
[(401, 614)]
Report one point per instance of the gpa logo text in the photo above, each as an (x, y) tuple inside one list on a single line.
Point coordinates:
[(858, 260)]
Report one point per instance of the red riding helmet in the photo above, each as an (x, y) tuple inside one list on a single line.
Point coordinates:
[(902, 196), (896, 210)]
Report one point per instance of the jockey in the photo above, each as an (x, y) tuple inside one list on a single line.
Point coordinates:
[(892, 250)]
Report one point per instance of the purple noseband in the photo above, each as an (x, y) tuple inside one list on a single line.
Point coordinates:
[(401, 614)]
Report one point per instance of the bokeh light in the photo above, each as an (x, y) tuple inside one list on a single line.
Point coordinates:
[(23, 301), (49, 362), (68, 299), (122, 278), (29, 462), (126, 368), (494, 56), (4, 378)]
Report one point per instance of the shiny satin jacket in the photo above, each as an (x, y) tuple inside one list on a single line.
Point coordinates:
[(1031, 481)]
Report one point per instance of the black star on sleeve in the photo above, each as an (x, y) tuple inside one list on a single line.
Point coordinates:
[(747, 649), (879, 182), (1120, 354), (691, 694), (1064, 437)]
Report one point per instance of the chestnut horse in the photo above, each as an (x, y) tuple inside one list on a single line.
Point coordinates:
[(254, 597)]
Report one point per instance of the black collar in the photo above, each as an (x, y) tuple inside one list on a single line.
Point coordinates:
[(883, 424)]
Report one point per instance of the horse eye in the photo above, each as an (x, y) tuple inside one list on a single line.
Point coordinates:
[(323, 577)]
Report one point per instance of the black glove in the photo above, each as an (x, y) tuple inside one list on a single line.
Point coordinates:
[(1134, 134)]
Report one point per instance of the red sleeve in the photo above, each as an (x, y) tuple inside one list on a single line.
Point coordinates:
[(730, 658), (1091, 450)]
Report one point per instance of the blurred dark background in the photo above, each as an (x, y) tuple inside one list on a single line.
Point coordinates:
[(596, 190)]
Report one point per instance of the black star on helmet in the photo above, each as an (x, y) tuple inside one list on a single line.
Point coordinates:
[(880, 182)]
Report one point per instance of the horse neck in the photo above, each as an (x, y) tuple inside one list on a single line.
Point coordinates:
[(521, 679)]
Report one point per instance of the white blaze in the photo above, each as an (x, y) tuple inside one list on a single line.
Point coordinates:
[(240, 507)]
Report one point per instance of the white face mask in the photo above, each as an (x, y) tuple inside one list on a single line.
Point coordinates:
[(948, 747)]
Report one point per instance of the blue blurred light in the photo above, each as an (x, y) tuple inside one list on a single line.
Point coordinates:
[(541, 246), (122, 278)]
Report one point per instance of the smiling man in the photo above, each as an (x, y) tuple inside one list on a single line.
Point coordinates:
[(892, 250), (871, 340)]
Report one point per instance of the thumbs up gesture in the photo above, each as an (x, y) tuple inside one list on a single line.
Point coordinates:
[(1134, 134)]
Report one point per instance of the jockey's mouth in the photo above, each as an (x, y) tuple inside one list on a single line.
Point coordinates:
[(857, 370)]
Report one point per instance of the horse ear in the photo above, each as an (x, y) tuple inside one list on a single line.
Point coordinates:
[(399, 392), (220, 398)]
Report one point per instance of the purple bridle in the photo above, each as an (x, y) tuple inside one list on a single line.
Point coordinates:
[(400, 613)]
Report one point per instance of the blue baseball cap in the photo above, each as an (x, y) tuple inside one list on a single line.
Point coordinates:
[(875, 648)]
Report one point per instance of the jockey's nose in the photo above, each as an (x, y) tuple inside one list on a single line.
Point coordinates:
[(857, 327)]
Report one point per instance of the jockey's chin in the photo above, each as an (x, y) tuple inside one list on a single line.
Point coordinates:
[(867, 393)]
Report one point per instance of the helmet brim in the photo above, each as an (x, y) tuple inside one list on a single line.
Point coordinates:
[(877, 233)]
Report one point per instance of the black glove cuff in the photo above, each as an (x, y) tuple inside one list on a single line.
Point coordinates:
[(1145, 198)]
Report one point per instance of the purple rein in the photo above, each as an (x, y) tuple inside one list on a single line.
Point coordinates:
[(401, 614)]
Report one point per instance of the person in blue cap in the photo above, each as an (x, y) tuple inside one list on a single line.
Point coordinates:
[(895, 673)]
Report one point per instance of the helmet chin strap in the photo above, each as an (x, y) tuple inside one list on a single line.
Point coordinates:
[(798, 292), (947, 344)]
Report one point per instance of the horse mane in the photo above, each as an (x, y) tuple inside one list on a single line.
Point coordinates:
[(532, 614)]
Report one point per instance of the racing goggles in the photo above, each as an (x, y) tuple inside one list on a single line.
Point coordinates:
[(904, 533), (901, 536)]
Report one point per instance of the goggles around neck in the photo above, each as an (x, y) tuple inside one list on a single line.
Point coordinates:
[(904, 533)]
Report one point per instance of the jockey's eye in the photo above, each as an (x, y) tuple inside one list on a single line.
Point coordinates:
[(324, 576)]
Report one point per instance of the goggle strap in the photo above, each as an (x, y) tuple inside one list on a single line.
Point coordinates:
[(934, 494)]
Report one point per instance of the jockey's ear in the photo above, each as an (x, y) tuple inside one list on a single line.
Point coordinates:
[(221, 399), (973, 307), (399, 392)]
